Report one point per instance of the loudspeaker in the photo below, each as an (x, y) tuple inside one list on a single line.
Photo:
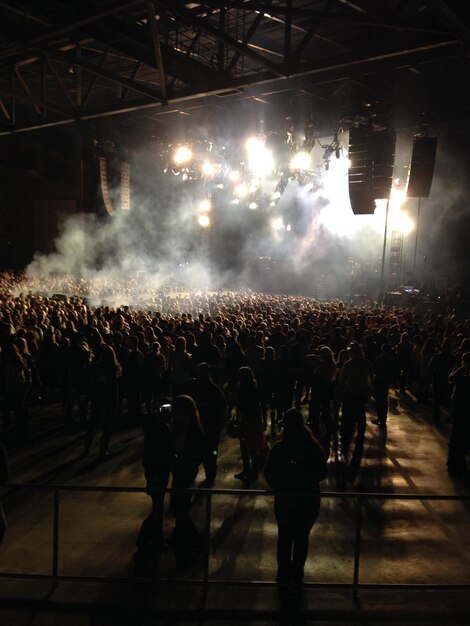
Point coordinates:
[(422, 167), (371, 156)]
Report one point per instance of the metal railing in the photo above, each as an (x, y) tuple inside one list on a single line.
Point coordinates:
[(209, 494)]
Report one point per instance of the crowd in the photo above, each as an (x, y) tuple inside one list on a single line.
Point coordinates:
[(190, 364)]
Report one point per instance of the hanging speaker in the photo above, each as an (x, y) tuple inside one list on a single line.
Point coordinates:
[(370, 175), (422, 167)]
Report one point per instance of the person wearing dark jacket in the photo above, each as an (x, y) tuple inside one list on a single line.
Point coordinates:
[(105, 374), (188, 449), (212, 407), (157, 463), (4, 477), (295, 465), (385, 373), (459, 442)]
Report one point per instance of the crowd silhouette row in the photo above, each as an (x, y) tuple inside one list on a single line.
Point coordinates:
[(264, 365)]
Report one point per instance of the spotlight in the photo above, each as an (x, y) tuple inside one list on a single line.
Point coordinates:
[(300, 161), (204, 221), (260, 159), (207, 169), (205, 205), (182, 155), (234, 176), (277, 223), (253, 206), (241, 191)]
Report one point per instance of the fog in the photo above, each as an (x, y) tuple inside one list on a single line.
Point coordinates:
[(308, 241)]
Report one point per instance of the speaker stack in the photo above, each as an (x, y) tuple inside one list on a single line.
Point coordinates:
[(422, 167), (371, 156)]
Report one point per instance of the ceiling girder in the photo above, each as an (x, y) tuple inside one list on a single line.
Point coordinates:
[(323, 15), (65, 58), (219, 35)]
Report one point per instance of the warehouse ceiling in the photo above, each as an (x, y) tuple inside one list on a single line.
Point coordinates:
[(62, 61)]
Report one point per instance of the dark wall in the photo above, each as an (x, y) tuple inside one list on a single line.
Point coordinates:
[(40, 183)]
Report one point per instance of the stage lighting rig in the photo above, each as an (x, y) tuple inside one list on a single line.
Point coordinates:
[(334, 148), (310, 135)]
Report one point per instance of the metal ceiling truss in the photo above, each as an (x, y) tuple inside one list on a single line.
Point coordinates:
[(66, 60)]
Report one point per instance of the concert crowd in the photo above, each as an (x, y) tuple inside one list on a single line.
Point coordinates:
[(192, 367)]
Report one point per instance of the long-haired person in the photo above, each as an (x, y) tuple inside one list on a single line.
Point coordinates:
[(323, 380), (252, 441), (105, 374), (295, 465), (188, 454)]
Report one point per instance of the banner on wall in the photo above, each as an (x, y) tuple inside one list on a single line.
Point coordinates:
[(125, 186)]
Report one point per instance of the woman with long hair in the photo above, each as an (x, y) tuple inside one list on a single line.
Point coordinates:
[(188, 453), (295, 465), (322, 385)]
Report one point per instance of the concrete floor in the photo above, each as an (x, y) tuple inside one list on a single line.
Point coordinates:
[(403, 541)]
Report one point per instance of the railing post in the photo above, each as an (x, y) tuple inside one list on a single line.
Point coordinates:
[(55, 537), (207, 538), (357, 547)]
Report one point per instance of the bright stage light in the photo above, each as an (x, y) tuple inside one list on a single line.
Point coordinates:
[(402, 222), (204, 221), (241, 190), (277, 224), (397, 198), (300, 161), (208, 169), (253, 205), (260, 159), (253, 144), (182, 155), (234, 176), (288, 228), (205, 205)]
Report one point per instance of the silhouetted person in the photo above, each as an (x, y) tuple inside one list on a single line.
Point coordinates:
[(133, 376), (252, 441), (77, 379), (440, 367), (404, 355), (157, 461), (15, 388), (188, 453), (385, 374), (212, 408), (179, 367), (268, 384), (105, 373), (4, 477), (459, 442), (154, 377), (322, 386), (295, 465), (353, 387)]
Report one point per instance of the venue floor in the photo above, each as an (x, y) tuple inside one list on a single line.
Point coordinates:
[(403, 541)]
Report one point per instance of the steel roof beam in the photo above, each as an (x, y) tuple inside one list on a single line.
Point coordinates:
[(218, 35), (99, 71), (323, 15)]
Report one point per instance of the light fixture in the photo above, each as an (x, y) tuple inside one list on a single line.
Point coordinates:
[(182, 155), (204, 221)]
